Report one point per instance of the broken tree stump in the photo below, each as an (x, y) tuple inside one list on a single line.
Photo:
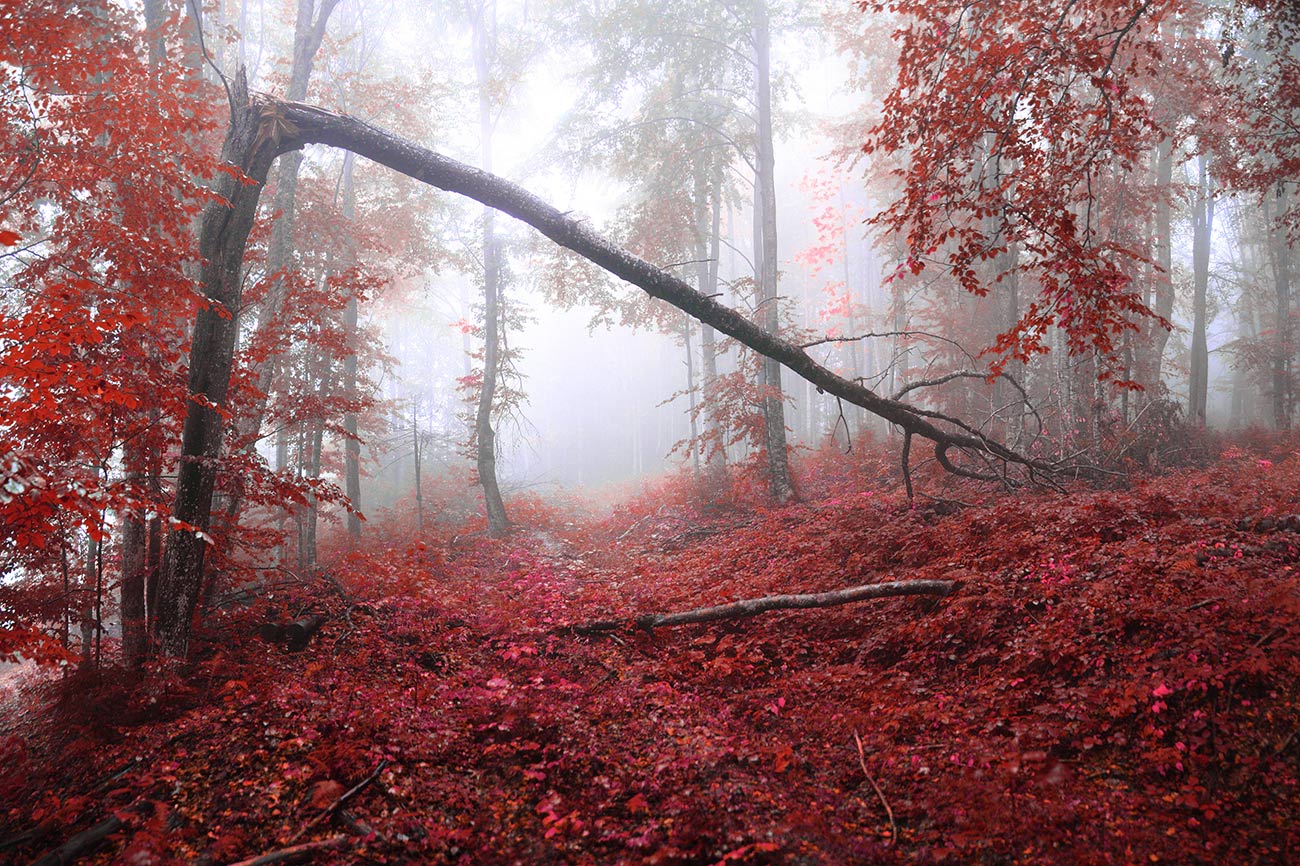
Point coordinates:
[(298, 633), (295, 635)]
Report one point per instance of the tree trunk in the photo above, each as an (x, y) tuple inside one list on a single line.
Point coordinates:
[(484, 434), (351, 442), (693, 397), (134, 569), (779, 483), (715, 456), (1203, 226), (225, 226), (309, 32), (1164, 284), (1282, 353), (315, 125), (419, 493)]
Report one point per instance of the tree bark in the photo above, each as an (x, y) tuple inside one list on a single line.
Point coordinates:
[(780, 484), (1203, 228), (250, 146)]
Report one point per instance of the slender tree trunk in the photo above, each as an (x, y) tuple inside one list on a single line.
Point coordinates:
[(708, 228), (693, 397), (311, 517), (309, 32), (134, 571), (1203, 227), (1164, 284), (485, 435), (419, 492), (135, 531), (351, 442), (779, 482), (1283, 352)]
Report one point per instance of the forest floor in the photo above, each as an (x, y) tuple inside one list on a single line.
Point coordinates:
[(1115, 681)]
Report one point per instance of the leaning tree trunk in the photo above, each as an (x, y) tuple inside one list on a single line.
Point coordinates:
[(318, 126), (251, 147)]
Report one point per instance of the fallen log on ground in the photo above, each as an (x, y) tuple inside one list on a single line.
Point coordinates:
[(299, 633), (294, 635), (294, 853), (756, 606), (80, 844)]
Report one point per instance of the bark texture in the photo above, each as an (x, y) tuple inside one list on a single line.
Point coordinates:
[(780, 484), (251, 146)]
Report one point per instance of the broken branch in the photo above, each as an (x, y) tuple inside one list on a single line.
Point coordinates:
[(294, 853), (755, 606), (352, 792)]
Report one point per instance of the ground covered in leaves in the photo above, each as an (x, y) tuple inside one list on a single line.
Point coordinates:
[(1115, 681)]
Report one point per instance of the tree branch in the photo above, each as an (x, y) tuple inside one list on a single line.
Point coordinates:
[(294, 853), (755, 606)]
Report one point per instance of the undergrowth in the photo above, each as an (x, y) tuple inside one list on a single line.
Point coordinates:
[(1116, 681)]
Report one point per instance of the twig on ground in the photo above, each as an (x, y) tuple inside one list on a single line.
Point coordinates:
[(294, 853), (862, 762), (352, 792)]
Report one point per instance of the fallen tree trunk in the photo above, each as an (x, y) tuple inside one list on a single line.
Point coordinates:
[(300, 124), (80, 844), (298, 633), (755, 606)]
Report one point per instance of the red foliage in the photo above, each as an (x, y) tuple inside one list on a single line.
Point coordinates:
[(97, 300)]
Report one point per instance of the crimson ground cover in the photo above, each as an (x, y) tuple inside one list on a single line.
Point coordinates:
[(1115, 681)]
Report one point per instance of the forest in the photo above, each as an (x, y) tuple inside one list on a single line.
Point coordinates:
[(685, 432)]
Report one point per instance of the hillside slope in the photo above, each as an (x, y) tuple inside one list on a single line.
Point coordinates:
[(1115, 681)]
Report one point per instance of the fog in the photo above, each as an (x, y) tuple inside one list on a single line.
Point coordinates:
[(597, 384)]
